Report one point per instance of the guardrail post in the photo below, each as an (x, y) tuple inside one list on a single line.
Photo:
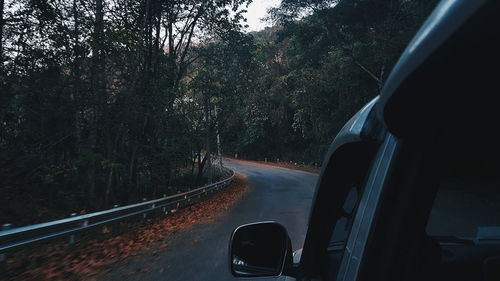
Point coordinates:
[(72, 236), (265, 159), (115, 228), (144, 214), (3, 256)]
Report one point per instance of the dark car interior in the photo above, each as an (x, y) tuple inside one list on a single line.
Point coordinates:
[(463, 227)]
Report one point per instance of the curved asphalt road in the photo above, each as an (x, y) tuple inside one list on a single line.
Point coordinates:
[(200, 253)]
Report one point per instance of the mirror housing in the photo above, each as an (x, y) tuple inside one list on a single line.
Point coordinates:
[(260, 249)]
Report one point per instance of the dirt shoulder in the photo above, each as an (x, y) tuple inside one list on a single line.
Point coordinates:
[(288, 165), (90, 257)]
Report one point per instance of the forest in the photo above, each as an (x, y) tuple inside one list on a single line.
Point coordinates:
[(107, 102)]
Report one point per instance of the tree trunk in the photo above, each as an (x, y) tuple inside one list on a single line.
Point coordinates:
[(158, 52), (1, 33), (98, 60), (193, 161), (201, 166), (219, 146), (97, 84), (109, 187), (76, 72), (91, 173), (132, 170), (207, 137), (111, 148), (147, 37)]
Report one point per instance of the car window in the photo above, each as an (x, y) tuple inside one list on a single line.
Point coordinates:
[(343, 225), (352, 183), (466, 206), (467, 201)]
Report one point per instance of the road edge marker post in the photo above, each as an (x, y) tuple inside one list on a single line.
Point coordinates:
[(72, 236)]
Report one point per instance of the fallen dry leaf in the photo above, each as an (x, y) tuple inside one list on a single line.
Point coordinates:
[(105, 230)]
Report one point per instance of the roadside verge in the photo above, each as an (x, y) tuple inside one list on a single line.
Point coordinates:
[(288, 165), (90, 256)]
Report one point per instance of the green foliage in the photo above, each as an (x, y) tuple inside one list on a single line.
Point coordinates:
[(94, 104), (107, 102), (312, 74)]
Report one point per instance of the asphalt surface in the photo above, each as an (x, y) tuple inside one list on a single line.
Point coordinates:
[(200, 253)]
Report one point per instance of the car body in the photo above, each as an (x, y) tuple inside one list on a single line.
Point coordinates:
[(410, 187)]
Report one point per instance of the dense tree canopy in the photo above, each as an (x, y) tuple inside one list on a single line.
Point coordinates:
[(107, 102), (326, 59), (93, 98)]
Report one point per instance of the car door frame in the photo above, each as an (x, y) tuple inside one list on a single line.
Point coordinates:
[(366, 213), (363, 128)]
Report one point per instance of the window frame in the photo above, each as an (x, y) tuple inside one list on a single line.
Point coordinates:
[(367, 209)]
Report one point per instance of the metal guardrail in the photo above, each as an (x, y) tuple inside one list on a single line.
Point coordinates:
[(22, 236)]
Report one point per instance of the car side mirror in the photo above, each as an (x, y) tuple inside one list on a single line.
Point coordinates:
[(260, 249)]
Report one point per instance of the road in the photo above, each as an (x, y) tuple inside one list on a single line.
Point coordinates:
[(200, 253)]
